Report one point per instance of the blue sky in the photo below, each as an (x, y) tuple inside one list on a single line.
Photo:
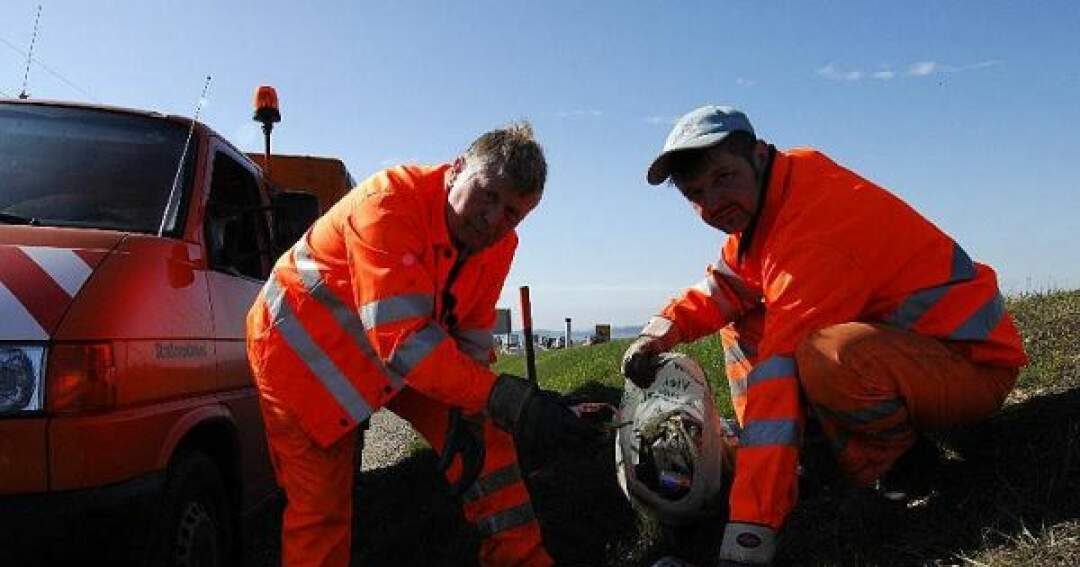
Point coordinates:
[(967, 110)]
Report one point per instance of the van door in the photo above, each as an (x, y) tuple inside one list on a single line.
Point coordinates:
[(238, 245), (238, 242)]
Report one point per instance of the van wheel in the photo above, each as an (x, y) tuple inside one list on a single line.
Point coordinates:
[(197, 523)]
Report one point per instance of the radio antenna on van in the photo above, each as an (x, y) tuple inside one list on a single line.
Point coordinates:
[(30, 55), (171, 205)]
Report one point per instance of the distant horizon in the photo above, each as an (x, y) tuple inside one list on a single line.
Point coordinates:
[(616, 332)]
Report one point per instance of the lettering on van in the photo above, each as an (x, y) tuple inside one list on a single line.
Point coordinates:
[(173, 350)]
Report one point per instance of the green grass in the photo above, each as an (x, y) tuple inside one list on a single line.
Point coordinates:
[(1050, 324), (585, 369), (1048, 321), (1010, 492)]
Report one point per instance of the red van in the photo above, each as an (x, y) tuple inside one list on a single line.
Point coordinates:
[(131, 246)]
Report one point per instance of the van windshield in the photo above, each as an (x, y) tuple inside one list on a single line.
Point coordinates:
[(64, 166)]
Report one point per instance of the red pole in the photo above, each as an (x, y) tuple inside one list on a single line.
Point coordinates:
[(526, 320)]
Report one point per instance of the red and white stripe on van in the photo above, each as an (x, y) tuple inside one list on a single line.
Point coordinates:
[(37, 284)]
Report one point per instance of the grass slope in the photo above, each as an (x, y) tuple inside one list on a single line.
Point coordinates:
[(1010, 494)]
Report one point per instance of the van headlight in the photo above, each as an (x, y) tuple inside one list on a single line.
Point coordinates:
[(20, 377)]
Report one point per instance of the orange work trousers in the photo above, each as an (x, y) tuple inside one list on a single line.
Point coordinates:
[(318, 483), (873, 386)]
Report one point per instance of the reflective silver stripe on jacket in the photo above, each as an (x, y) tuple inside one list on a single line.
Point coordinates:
[(890, 433), (735, 355), (839, 438), (763, 432), (505, 520), (317, 361), (476, 343), (738, 387), (497, 480), (979, 326), (396, 308), (918, 303), (410, 353), (709, 287), (862, 416), (738, 285), (774, 367), (309, 272)]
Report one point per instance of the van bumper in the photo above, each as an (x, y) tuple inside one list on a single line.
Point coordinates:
[(108, 522)]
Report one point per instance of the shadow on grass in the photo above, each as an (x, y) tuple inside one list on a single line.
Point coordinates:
[(1019, 470), (405, 515)]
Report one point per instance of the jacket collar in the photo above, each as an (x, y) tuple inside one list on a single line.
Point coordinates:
[(441, 191), (776, 190)]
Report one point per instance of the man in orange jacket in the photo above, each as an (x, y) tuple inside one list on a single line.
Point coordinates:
[(388, 300), (830, 286)]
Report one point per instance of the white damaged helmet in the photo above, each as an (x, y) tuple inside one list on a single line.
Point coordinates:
[(673, 453)]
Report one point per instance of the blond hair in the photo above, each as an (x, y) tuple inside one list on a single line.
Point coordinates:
[(511, 152)]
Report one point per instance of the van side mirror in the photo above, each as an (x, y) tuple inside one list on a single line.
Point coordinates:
[(294, 211)]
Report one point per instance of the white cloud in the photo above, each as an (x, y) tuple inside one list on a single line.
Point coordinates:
[(885, 73), (923, 68), (661, 120), (973, 66), (578, 113), (830, 71), (744, 82)]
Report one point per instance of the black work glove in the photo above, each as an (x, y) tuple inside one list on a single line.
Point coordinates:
[(464, 438), (641, 361), (536, 418)]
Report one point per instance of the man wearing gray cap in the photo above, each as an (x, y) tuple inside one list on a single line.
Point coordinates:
[(833, 296)]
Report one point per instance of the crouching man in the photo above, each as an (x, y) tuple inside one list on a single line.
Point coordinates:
[(830, 285)]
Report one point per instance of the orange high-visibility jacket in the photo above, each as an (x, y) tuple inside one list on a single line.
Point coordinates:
[(358, 308), (831, 247)]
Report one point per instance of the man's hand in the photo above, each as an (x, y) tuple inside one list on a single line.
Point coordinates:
[(536, 418), (641, 360)]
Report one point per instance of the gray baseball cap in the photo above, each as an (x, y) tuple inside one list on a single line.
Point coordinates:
[(699, 128)]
